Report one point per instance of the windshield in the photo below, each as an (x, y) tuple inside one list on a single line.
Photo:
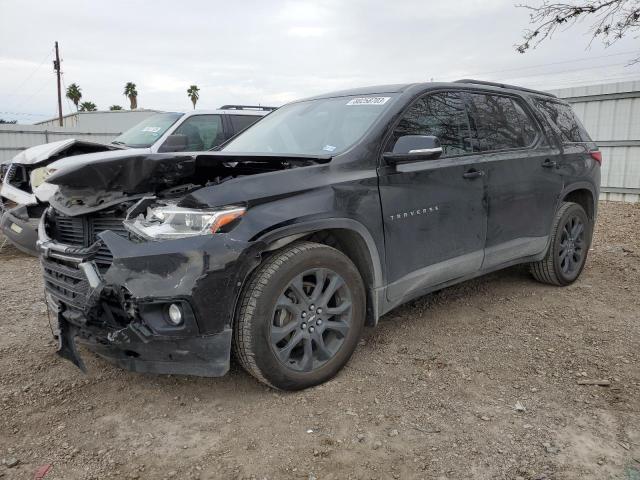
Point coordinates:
[(145, 133), (326, 126)]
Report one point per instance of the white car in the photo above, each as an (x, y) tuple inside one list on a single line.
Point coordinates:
[(24, 193)]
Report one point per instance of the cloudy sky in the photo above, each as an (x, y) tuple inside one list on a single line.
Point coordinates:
[(273, 51)]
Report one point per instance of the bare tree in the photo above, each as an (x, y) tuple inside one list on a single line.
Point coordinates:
[(611, 20)]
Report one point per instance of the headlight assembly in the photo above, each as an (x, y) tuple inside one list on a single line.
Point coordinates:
[(38, 176), (171, 222)]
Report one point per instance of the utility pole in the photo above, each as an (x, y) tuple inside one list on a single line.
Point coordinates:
[(56, 67)]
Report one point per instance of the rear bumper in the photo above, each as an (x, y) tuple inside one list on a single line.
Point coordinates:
[(21, 232)]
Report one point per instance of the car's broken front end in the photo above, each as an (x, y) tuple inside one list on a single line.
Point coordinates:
[(138, 275), (149, 307)]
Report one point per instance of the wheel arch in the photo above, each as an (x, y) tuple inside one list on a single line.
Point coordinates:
[(346, 235), (583, 195)]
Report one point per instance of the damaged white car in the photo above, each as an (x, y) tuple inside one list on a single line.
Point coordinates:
[(24, 193)]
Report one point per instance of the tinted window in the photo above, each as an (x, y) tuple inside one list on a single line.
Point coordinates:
[(203, 132), (500, 123), (571, 130), (240, 122), (441, 115)]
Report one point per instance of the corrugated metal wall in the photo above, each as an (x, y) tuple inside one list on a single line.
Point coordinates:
[(15, 138), (106, 121), (611, 114), (101, 127)]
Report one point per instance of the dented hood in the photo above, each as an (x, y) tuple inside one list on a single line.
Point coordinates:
[(143, 173), (114, 176), (125, 172), (41, 153)]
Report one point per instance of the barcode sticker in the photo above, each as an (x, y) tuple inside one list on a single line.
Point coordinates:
[(368, 101)]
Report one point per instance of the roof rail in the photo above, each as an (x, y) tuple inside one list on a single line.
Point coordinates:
[(247, 107), (504, 85)]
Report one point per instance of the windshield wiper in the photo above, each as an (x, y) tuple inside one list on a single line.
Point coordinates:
[(118, 142)]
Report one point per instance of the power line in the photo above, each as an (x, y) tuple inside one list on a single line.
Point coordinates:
[(557, 72), (24, 102), (26, 114), (22, 84), (552, 63)]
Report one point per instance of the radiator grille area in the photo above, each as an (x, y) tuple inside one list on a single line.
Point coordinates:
[(83, 232), (66, 284)]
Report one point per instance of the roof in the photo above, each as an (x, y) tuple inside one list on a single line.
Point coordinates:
[(403, 87), (231, 111)]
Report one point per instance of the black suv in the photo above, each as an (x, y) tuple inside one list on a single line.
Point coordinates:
[(312, 224)]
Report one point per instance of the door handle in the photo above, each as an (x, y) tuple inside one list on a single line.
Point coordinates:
[(473, 173), (549, 163)]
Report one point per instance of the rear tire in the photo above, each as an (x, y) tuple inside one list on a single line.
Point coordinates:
[(300, 316), (568, 247)]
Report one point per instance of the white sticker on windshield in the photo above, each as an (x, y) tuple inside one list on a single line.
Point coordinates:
[(151, 129), (328, 148), (368, 101)]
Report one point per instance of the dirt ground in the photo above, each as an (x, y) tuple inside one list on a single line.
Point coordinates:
[(479, 381)]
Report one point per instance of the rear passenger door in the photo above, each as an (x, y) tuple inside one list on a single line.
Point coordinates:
[(433, 211), (523, 182)]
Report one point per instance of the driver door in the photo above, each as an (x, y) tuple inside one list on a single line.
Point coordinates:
[(435, 218)]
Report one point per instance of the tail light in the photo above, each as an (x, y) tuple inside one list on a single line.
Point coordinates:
[(596, 155)]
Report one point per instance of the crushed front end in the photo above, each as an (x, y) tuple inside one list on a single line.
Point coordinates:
[(144, 256), (156, 307)]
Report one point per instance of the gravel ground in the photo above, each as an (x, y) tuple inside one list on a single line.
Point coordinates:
[(480, 381)]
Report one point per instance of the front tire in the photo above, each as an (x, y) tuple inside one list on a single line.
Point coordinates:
[(300, 316), (567, 253)]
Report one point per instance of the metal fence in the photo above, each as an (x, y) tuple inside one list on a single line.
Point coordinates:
[(15, 138), (611, 114)]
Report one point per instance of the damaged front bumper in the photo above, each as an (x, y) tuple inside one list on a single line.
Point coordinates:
[(121, 313), (19, 229)]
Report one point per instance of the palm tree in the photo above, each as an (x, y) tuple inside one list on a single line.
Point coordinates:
[(74, 93), (194, 94), (115, 107), (132, 94), (88, 107)]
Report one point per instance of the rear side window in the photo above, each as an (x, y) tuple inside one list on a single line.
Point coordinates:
[(240, 122), (500, 123), (561, 115), (441, 115)]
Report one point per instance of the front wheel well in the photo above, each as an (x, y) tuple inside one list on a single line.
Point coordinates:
[(353, 246)]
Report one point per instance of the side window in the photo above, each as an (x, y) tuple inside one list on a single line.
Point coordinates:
[(561, 115), (240, 122), (500, 123), (441, 115), (203, 132)]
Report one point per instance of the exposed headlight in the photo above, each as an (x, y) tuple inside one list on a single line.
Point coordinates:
[(170, 222), (38, 176), (4, 168)]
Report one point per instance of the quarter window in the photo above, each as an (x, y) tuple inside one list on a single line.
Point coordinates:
[(571, 130), (500, 123), (203, 132), (240, 122), (440, 115)]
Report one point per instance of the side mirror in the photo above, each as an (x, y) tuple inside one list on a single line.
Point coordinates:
[(413, 148), (174, 143)]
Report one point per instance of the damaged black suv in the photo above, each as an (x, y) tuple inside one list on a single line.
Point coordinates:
[(312, 224)]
